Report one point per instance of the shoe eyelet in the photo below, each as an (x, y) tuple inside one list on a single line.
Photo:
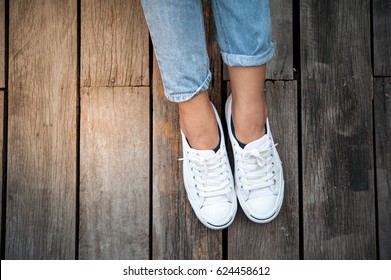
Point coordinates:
[(198, 194), (193, 177), (274, 181), (241, 187)]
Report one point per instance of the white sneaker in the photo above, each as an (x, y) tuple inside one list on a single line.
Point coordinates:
[(209, 183), (258, 174)]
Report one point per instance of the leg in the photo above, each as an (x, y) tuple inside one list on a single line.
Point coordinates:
[(245, 53), (249, 109), (177, 32), (243, 30), (198, 122)]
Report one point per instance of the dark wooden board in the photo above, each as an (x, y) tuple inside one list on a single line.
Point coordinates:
[(382, 90), (338, 164), (281, 66), (114, 43), (1, 165), (382, 37), (278, 239), (114, 173), (41, 174), (2, 43)]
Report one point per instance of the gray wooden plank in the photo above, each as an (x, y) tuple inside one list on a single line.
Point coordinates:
[(2, 44), (114, 173), (337, 144), (278, 239), (281, 66), (382, 37), (382, 94), (41, 181), (114, 43)]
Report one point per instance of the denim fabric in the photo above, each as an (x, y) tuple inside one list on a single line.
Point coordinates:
[(243, 32)]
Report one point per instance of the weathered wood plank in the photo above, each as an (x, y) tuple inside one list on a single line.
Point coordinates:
[(177, 233), (114, 173), (114, 43), (382, 37), (280, 238), (281, 66), (114, 148), (1, 166), (2, 44), (41, 181), (337, 144), (382, 90)]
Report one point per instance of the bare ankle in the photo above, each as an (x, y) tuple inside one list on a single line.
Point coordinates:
[(198, 123), (250, 125)]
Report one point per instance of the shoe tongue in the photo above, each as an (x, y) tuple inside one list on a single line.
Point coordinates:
[(256, 143)]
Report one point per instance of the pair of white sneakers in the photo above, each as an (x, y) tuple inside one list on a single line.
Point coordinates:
[(212, 189)]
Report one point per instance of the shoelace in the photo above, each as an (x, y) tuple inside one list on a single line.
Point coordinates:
[(256, 168), (210, 174)]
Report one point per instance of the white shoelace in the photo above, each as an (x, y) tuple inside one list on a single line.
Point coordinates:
[(210, 174), (256, 168)]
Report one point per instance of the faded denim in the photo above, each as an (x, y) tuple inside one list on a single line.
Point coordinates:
[(242, 30)]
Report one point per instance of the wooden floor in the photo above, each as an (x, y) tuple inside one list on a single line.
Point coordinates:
[(90, 145)]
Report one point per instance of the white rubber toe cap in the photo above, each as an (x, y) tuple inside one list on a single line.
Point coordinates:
[(219, 215), (262, 208)]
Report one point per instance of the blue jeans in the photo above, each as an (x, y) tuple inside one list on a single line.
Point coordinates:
[(243, 32)]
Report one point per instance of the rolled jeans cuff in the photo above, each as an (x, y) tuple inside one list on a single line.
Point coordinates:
[(185, 96), (248, 60)]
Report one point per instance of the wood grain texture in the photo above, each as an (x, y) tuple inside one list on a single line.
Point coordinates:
[(338, 169), (41, 180), (114, 43), (114, 173), (177, 233), (1, 165), (281, 66), (280, 238), (2, 44), (382, 90), (382, 37)]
